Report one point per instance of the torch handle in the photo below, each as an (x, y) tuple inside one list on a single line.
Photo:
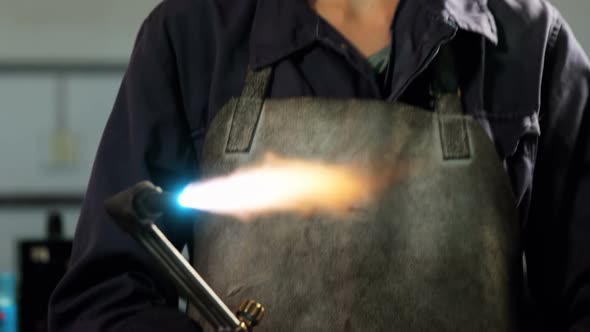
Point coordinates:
[(135, 210), (189, 282)]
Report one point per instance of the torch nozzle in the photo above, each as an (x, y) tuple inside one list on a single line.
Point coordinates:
[(151, 202), (143, 203)]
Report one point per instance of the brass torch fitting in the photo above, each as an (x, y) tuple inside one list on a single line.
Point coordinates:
[(249, 313)]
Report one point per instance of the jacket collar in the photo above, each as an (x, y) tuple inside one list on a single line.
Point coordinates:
[(282, 27), (468, 15)]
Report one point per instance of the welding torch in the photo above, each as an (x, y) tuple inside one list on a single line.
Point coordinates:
[(135, 210)]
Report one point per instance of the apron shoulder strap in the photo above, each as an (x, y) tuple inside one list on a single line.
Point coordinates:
[(445, 87), (256, 83), (448, 105), (247, 110)]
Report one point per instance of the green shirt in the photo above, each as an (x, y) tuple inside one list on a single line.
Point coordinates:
[(378, 61)]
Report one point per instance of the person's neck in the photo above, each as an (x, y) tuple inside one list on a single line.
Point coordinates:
[(378, 11), (365, 23)]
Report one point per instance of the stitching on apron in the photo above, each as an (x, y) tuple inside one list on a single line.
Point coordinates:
[(453, 131)]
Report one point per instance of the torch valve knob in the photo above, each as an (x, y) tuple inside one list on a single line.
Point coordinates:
[(250, 313)]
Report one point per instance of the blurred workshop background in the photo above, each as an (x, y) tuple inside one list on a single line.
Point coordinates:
[(61, 63)]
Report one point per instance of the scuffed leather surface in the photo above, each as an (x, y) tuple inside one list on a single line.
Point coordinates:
[(436, 251), (247, 110)]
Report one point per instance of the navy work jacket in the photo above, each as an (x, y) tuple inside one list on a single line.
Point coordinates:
[(522, 74)]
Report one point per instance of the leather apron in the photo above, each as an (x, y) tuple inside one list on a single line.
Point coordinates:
[(437, 251)]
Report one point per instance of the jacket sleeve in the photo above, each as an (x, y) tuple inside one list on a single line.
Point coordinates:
[(112, 284), (557, 234)]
